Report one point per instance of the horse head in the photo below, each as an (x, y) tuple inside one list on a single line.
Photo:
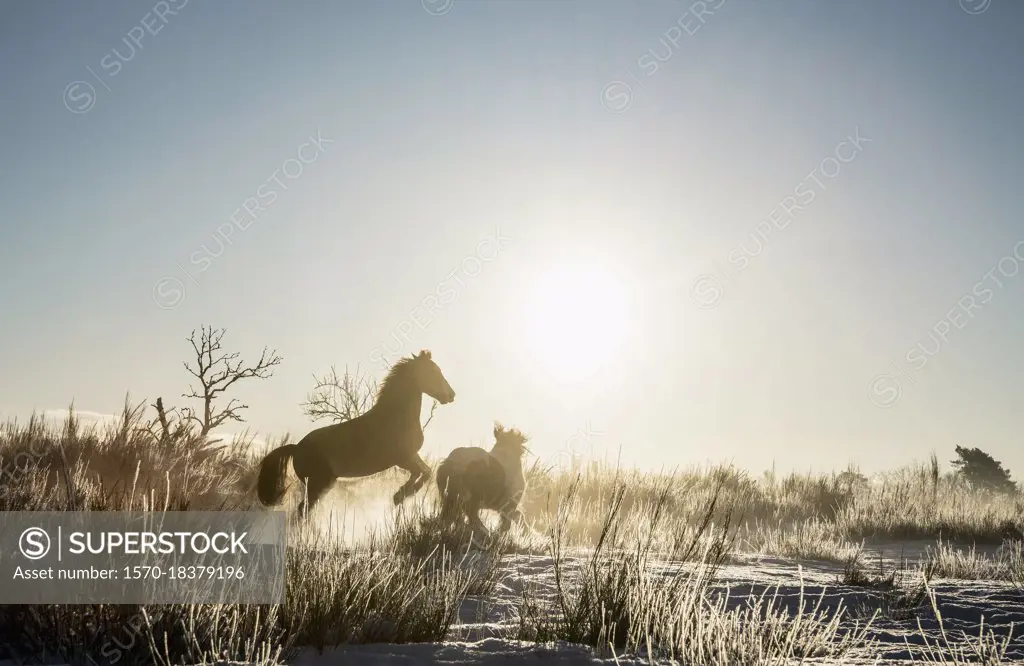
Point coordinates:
[(430, 379), (510, 439)]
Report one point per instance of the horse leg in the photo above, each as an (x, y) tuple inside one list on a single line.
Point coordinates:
[(509, 512), (425, 474), (419, 474), (514, 517), (316, 487), (473, 514), (449, 506)]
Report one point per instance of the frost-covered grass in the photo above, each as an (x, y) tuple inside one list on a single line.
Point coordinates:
[(636, 559)]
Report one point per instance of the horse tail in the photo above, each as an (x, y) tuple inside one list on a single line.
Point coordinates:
[(447, 482), (273, 472), (442, 477)]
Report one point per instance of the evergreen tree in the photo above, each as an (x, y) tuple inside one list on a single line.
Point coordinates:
[(982, 471)]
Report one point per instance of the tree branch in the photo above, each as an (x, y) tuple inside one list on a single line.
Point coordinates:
[(216, 372), (430, 417), (340, 398)]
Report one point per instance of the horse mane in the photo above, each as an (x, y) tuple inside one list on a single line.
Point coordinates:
[(502, 433), (397, 374)]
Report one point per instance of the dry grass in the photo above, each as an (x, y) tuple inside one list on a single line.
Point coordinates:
[(798, 516), (646, 583), (897, 593), (813, 539), (982, 648), (333, 594), (1006, 563), (119, 467), (618, 602), (918, 503)]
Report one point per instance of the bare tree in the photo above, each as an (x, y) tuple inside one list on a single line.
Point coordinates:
[(170, 428), (217, 371), (340, 398), (344, 398)]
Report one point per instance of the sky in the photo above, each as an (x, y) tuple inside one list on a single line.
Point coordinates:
[(671, 234)]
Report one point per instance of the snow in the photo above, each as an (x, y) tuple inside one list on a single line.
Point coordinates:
[(480, 636), (484, 652)]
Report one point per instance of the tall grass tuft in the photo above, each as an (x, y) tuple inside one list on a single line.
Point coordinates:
[(618, 598), (1006, 563)]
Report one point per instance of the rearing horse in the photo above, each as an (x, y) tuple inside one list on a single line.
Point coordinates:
[(387, 435)]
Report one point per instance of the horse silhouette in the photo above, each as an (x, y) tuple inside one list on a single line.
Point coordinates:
[(471, 479), (389, 434)]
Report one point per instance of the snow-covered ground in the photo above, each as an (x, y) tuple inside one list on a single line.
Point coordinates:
[(484, 652), (481, 635)]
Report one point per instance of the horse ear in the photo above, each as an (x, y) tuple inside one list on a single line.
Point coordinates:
[(497, 429), (424, 353)]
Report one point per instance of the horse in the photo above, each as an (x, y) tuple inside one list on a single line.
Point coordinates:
[(389, 434), (471, 479)]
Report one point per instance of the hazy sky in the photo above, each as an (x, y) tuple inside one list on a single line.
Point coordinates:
[(632, 145)]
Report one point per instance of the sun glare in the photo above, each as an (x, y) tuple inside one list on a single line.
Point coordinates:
[(577, 317)]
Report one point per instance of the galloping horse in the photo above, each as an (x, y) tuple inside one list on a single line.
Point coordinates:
[(387, 435), (471, 479)]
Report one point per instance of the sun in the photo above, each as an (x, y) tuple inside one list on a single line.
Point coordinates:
[(577, 317)]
